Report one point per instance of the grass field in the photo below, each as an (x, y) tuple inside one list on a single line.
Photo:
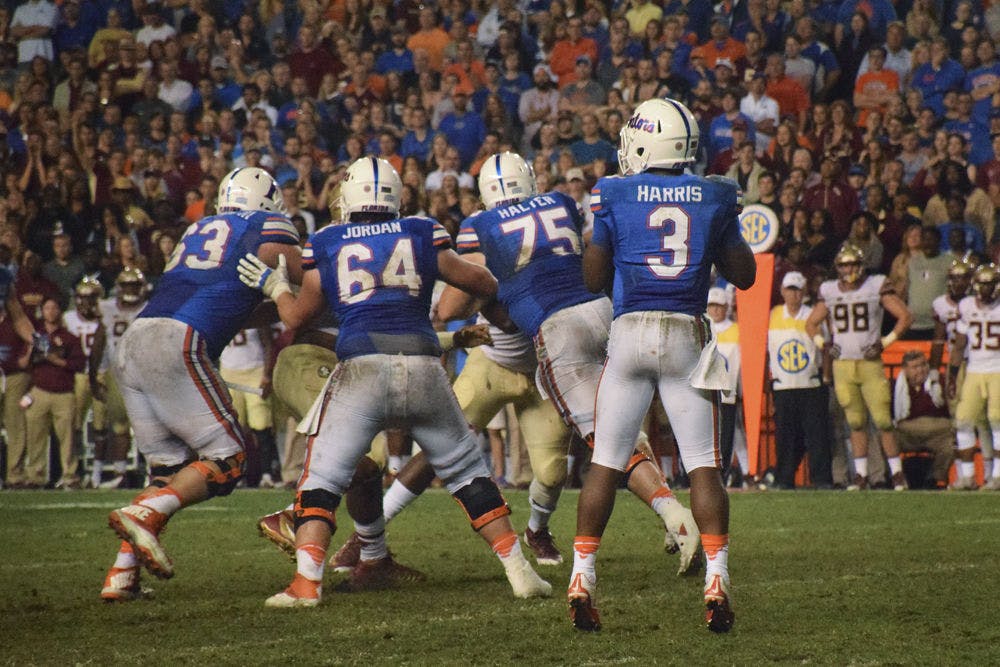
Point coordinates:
[(819, 578)]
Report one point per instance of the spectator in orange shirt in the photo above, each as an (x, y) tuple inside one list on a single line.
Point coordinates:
[(471, 71), (431, 37), (387, 145), (721, 45), (791, 97), (876, 87), (562, 60)]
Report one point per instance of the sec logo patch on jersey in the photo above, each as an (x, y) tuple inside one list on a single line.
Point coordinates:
[(759, 226), (793, 357)]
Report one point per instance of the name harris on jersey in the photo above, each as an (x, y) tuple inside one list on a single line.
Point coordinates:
[(678, 194)]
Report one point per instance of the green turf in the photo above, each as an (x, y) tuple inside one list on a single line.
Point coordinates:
[(819, 578)]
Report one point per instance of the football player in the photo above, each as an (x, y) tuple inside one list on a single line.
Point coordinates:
[(945, 309), (377, 274), (977, 340), (854, 304), (658, 231), (165, 366), (117, 313), (83, 322), (532, 243)]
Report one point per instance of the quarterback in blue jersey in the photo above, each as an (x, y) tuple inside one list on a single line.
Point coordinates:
[(659, 231), (376, 274), (178, 406), (532, 243)]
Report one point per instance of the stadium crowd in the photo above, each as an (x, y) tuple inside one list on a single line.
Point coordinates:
[(856, 121)]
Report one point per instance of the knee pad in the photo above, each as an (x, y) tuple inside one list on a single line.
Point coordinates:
[(223, 482), (482, 502), (316, 505), (160, 476)]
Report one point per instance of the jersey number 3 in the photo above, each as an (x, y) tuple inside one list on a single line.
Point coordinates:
[(357, 284), (674, 225), (211, 237)]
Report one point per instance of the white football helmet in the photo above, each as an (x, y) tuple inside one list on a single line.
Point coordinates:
[(504, 179), (371, 185), (662, 133), (250, 189)]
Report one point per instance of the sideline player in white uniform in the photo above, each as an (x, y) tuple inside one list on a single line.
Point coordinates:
[(117, 313), (377, 275), (83, 322), (180, 410), (662, 271), (946, 315), (855, 304), (977, 339)]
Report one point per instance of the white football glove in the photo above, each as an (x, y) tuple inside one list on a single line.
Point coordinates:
[(258, 275)]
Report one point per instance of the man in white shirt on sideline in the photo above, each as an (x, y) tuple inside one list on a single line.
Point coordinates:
[(762, 110)]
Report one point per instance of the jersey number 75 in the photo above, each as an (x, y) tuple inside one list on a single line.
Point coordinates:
[(562, 240)]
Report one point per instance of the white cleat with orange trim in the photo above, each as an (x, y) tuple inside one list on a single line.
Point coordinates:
[(719, 614)]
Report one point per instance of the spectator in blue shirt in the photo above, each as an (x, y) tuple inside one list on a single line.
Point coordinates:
[(827, 66), (936, 77), (72, 32), (397, 58), (417, 142), (880, 14), (591, 146), (984, 81), (463, 128)]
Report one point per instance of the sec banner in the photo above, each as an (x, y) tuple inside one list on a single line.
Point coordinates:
[(759, 226)]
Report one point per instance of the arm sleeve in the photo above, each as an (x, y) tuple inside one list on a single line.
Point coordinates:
[(308, 258), (441, 237)]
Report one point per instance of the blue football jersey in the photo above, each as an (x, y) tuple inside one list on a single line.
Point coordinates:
[(200, 285), (534, 250), (377, 278), (664, 233)]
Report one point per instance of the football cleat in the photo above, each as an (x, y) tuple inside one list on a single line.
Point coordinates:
[(279, 529), (348, 555), (301, 592), (899, 482), (524, 581), (859, 484), (139, 526), (376, 575), (682, 536), (542, 545), (719, 615), (582, 595), (122, 585)]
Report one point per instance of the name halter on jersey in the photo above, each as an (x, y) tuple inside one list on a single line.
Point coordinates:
[(674, 195), (514, 210)]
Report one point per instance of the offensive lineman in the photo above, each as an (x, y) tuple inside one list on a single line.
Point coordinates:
[(977, 335), (659, 231), (180, 411), (377, 274), (854, 304), (532, 243)]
